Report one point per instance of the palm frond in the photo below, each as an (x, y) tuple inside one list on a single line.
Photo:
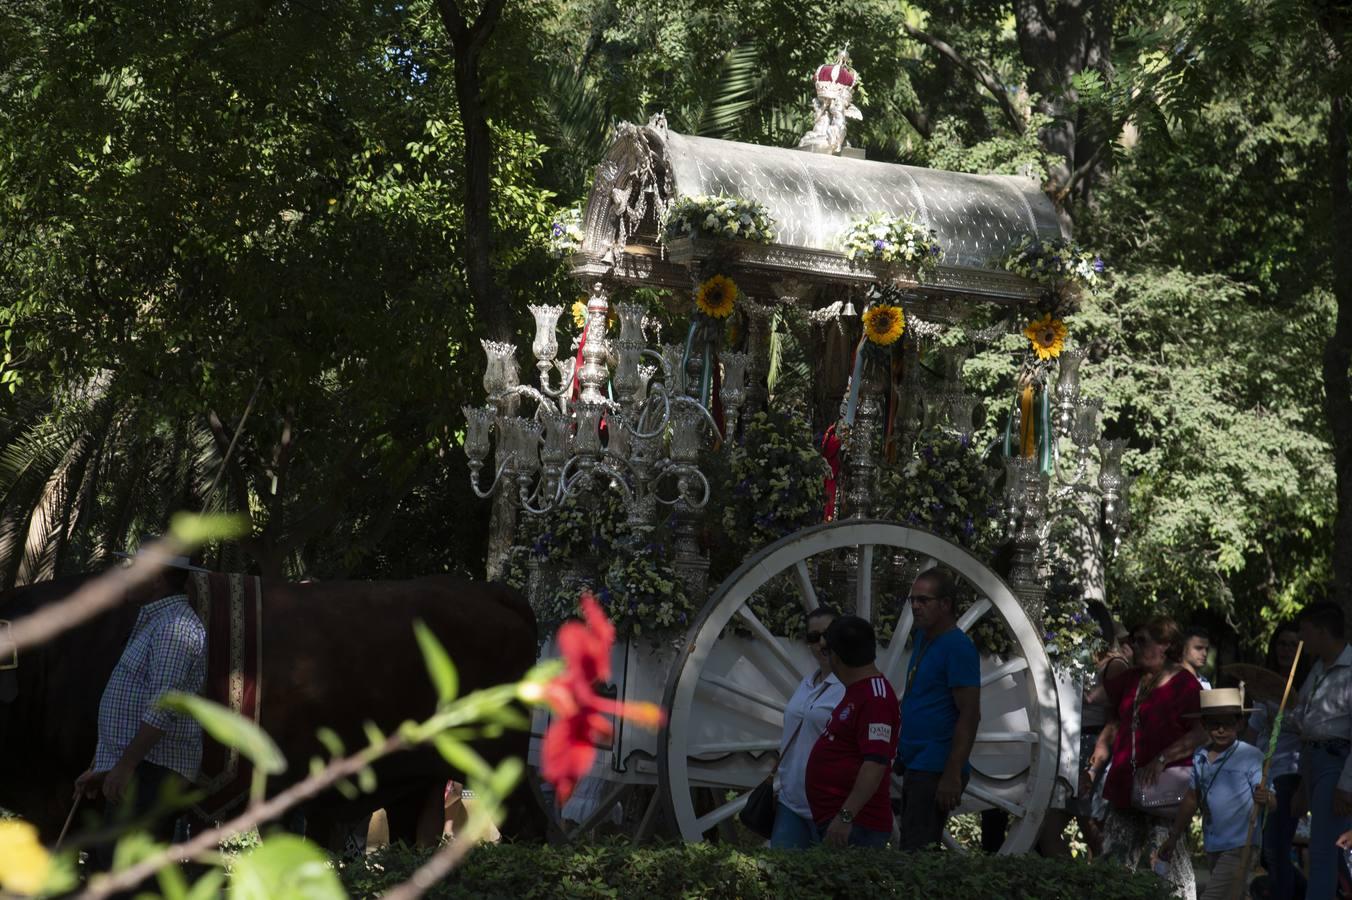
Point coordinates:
[(739, 84), (47, 524), (580, 113)]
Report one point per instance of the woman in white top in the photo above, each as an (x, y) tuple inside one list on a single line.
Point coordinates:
[(805, 718)]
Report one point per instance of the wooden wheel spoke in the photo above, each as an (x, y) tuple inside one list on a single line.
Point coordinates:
[(1006, 737), (891, 663), (786, 668), (807, 594), (613, 796), (863, 586), (994, 799), (723, 748), (1012, 667), (721, 814), (718, 681), (974, 612)]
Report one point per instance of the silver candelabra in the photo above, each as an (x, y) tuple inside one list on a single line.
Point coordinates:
[(619, 417)]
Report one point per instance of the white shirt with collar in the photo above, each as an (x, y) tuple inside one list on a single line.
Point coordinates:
[(811, 705), (1324, 706)]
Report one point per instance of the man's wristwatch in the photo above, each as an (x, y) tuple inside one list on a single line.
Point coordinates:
[(845, 816)]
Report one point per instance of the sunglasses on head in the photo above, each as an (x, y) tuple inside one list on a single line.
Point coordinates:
[(815, 636)]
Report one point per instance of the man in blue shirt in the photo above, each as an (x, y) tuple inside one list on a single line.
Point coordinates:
[(940, 710), (1227, 778)]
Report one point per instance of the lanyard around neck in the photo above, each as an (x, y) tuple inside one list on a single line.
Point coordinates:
[(1205, 789)]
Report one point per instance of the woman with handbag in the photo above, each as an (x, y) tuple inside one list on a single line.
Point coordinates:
[(805, 717), (1150, 739)]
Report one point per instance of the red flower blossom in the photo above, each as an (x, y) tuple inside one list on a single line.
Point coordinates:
[(580, 715)]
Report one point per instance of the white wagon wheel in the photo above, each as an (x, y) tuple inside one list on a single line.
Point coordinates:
[(727, 691)]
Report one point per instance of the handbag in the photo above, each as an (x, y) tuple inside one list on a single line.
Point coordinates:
[(759, 812), (1162, 798), (761, 804)]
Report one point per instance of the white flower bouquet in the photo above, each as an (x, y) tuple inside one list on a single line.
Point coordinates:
[(719, 217)]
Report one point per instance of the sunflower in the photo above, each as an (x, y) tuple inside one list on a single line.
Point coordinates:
[(883, 324), (717, 297), (1047, 335), (579, 311)]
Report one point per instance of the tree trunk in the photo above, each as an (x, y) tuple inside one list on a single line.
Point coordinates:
[(1057, 42), (468, 40), (1338, 350), (493, 306)]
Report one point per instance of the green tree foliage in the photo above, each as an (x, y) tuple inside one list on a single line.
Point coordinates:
[(228, 201), (237, 198)]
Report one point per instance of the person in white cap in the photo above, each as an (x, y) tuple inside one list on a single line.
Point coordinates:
[(1227, 779), (141, 747)]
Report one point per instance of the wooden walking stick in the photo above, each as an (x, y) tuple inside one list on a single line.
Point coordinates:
[(69, 818), (1242, 882)]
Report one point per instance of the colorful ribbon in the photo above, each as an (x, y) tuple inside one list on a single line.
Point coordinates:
[(856, 379)]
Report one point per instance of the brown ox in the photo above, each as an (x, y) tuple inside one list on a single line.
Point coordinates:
[(335, 654)]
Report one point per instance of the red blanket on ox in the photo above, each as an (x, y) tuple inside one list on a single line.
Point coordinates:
[(230, 607)]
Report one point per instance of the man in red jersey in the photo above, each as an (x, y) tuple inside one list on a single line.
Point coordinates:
[(847, 784)]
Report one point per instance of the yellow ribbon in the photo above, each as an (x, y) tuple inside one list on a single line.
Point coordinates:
[(1027, 436)]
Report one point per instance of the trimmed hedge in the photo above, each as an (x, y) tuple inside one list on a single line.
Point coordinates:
[(522, 872)]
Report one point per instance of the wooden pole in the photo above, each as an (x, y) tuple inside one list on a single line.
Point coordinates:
[(1241, 883), (70, 817)]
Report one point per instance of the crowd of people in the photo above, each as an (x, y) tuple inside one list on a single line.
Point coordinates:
[(1160, 746)]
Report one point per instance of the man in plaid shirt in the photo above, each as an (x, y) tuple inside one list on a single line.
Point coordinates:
[(141, 746)]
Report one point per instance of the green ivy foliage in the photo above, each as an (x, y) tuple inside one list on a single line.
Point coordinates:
[(713, 871), (946, 488), (629, 569), (769, 484)]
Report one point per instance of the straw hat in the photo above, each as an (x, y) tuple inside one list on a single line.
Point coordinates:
[(1221, 702)]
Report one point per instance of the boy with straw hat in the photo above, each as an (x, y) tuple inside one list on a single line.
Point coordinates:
[(1227, 779)]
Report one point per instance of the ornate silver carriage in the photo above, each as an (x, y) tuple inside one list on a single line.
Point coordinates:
[(726, 678)]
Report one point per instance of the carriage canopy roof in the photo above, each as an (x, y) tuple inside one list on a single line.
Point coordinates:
[(814, 198)]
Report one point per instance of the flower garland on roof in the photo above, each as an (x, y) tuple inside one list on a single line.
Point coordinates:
[(1055, 263), (719, 217), (896, 240)]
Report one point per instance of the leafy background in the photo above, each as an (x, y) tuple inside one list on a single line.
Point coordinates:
[(238, 201)]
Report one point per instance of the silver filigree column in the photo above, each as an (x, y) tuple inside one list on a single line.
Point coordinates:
[(691, 566), (593, 374), (861, 448), (1026, 495)]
